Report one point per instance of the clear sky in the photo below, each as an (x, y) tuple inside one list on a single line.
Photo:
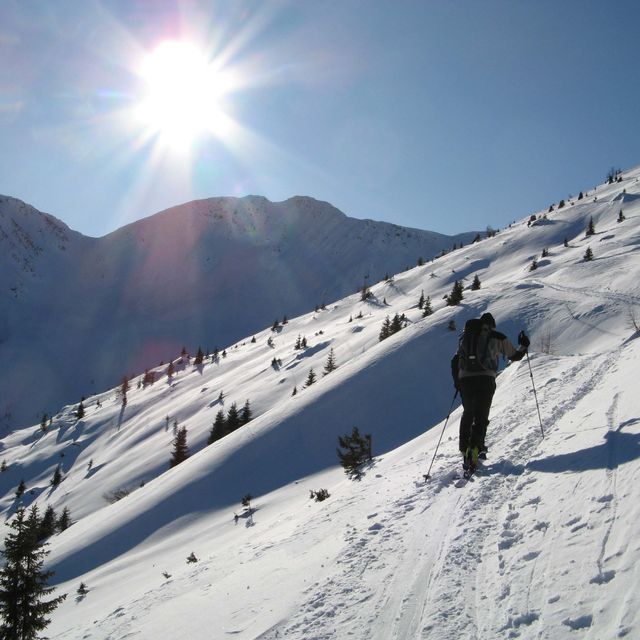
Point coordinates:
[(442, 115)]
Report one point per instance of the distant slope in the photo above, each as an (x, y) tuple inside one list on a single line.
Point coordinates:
[(79, 313)]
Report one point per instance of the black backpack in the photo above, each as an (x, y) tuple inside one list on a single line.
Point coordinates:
[(473, 348)]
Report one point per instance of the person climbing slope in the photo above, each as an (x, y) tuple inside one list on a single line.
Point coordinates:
[(474, 368)]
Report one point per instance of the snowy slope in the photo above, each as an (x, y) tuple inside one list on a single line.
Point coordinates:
[(543, 543), (79, 313)]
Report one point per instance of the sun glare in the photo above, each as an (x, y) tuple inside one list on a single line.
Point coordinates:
[(183, 92)]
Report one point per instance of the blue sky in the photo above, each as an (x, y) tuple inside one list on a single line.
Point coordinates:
[(448, 116)]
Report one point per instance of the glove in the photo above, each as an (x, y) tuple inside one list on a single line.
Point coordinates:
[(523, 341)]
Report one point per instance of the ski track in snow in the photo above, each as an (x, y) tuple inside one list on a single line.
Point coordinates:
[(438, 581)]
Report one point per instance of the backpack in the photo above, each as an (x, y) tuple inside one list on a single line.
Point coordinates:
[(473, 348)]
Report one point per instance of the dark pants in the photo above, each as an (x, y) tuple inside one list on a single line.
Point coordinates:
[(477, 394)]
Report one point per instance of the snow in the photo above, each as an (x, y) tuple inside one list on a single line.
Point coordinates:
[(80, 313), (542, 543)]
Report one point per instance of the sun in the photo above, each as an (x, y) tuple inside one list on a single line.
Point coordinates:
[(182, 94)]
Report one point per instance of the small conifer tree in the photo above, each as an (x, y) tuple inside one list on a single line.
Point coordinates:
[(588, 255), (57, 477), (621, 217), (23, 583), (534, 265), (354, 450), (330, 365), (591, 228), (233, 418), (245, 413), (180, 448), (80, 411), (475, 285), (22, 487), (311, 378), (199, 359), (385, 331), (64, 521), (47, 526), (427, 309), (456, 296), (218, 429)]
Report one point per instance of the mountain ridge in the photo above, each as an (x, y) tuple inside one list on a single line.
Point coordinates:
[(205, 273)]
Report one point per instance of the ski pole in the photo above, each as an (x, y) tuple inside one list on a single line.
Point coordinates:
[(427, 475), (535, 395)]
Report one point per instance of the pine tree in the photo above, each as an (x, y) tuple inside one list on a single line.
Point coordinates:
[(621, 217), (475, 285), (311, 378), (233, 418), (180, 449), (591, 228), (22, 487), (421, 300), (534, 265), (245, 413), (124, 387), (353, 452), (64, 521), (43, 422), (199, 359), (427, 309), (57, 477), (23, 583), (80, 411), (219, 428), (385, 331), (330, 365), (397, 323), (47, 526), (456, 296), (588, 255), (170, 371)]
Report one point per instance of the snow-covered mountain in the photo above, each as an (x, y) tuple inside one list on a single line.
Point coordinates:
[(542, 543), (79, 313)]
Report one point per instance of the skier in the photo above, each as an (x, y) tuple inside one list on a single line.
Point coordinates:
[(474, 368)]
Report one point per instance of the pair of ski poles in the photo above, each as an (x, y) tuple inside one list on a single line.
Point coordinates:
[(455, 395)]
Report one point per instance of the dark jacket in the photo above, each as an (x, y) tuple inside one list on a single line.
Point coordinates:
[(498, 344)]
